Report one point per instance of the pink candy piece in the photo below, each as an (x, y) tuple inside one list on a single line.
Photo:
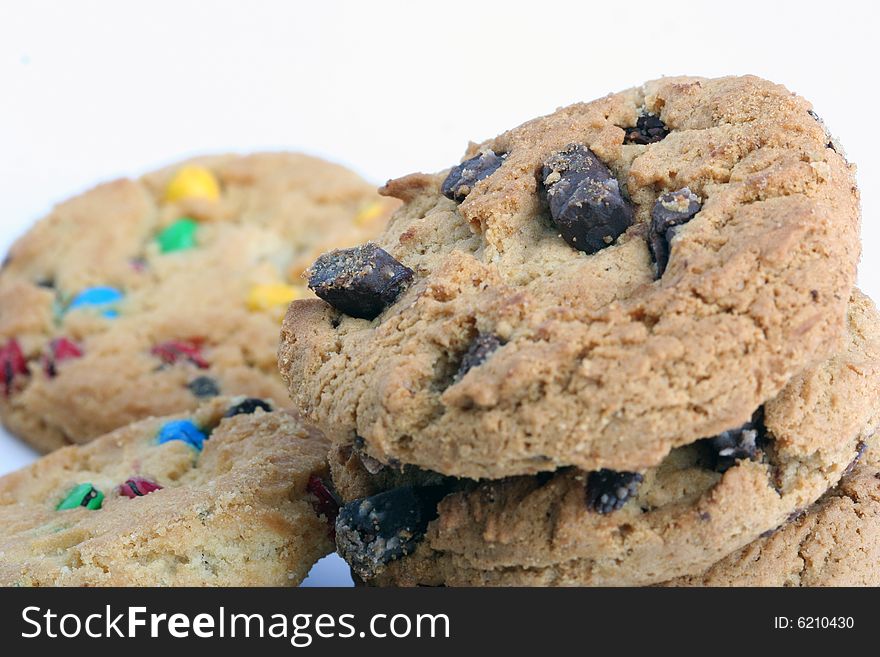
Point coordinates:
[(326, 503), (174, 351), (60, 349), (137, 487)]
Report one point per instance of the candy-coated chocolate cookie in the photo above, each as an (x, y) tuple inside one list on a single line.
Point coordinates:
[(147, 297), (147, 505)]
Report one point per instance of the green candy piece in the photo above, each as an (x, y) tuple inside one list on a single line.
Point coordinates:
[(179, 236), (83, 495)]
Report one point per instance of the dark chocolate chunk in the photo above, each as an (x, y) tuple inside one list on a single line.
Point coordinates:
[(585, 199), (248, 407), (734, 445), (649, 129), (373, 531), (480, 349), (671, 210), (462, 178), (204, 387), (608, 490), (361, 282)]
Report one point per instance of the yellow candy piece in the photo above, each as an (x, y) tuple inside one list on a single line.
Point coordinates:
[(369, 213), (272, 295), (193, 182)]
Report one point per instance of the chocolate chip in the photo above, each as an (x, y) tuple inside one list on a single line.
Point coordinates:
[(373, 531), (248, 407), (585, 199), (46, 283), (671, 210), (649, 129), (734, 445), (479, 350), (204, 387), (608, 490), (462, 178), (361, 282)]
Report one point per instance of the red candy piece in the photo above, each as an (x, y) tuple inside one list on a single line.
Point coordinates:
[(137, 487), (60, 349), (174, 351), (326, 503), (12, 364)]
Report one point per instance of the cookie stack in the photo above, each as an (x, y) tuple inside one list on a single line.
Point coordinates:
[(616, 345)]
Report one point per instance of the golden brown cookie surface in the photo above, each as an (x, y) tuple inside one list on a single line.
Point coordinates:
[(534, 334), (704, 501), (836, 542)]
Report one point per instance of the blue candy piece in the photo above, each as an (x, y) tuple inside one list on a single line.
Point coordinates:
[(183, 430), (98, 297)]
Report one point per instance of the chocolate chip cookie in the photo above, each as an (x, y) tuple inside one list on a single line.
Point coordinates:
[(146, 297), (229, 495), (703, 501), (836, 542), (592, 289)]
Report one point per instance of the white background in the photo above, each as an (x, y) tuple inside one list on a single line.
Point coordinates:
[(94, 90)]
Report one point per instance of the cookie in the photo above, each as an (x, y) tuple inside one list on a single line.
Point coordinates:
[(590, 289), (220, 497), (146, 297), (704, 501), (836, 542)]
